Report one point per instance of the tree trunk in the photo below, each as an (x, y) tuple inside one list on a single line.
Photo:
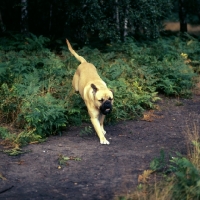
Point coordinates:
[(50, 17), (182, 16), (2, 27), (117, 15), (24, 16), (198, 9), (125, 23)]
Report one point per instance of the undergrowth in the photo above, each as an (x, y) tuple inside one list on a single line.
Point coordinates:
[(35, 83), (172, 177)]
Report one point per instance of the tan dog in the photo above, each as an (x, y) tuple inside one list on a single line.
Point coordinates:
[(93, 90)]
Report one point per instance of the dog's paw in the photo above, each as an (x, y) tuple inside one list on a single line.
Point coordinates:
[(104, 141)]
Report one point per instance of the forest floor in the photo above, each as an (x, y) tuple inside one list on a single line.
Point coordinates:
[(96, 171)]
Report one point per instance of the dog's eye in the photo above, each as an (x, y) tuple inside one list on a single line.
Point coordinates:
[(101, 100), (110, 99)]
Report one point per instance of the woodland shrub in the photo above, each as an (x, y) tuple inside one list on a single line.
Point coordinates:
[(35, 83)]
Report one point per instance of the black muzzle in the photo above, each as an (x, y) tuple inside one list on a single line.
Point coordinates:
[(106, 107)]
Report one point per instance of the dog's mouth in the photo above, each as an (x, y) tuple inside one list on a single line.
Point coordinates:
[(106, 108), (106, 111)]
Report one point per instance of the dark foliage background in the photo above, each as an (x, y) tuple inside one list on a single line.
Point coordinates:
[(86, 20)]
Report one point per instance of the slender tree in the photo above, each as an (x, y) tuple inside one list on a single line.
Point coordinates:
[(182, 16), (117, 15), (2, 27), (24, 16), (50, 16), (126, 12)]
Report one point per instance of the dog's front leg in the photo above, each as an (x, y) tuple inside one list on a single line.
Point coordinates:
[(101, 120), (97, 127)]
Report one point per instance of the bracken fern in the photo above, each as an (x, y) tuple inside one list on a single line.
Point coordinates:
[(35, 83)]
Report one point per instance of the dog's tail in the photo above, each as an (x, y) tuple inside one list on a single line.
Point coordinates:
[(79, 58)]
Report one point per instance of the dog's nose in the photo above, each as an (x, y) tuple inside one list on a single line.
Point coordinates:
[(107, 103)]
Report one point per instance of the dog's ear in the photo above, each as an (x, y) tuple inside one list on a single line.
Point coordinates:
[(94, 88), (112, 91)]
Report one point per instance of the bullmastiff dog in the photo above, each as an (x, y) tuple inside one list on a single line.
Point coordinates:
[(93, 90)]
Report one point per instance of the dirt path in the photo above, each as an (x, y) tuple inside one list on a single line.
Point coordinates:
[(104, 171), (175, 27)]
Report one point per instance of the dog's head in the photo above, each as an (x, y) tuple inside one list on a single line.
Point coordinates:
[(103, 99)]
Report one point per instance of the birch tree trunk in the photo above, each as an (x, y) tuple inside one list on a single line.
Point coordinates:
[(125, 23), (182, 16), (24, 16)]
